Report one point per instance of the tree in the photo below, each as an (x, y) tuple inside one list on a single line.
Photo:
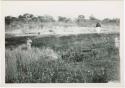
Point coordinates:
[(26, 17), (114, 20), (81, 18), (93, 18), (8, 20), (46, 18), (61, 19), (64, 19), (106, 20)]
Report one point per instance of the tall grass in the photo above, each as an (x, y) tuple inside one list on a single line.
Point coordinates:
[(67, 59)]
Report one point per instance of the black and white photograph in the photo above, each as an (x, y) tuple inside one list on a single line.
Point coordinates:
[(62, 42)]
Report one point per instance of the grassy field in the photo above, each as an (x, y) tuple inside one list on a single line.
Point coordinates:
[(84, 58)]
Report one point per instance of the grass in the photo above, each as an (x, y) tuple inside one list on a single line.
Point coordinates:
[(88, 58)]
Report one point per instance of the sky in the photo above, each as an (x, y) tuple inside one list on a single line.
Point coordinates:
[(99, 9)]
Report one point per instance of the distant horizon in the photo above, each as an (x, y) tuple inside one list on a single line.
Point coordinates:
[(73, 18)]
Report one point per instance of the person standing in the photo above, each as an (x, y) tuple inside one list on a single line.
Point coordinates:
[(98, 27), (29, 41)]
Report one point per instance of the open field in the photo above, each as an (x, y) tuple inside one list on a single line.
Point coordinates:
[(60, 30), (83, 58)]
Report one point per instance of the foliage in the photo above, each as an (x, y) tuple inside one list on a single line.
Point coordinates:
[(29, 21), (93, 18), (111, 21), (63, 19)]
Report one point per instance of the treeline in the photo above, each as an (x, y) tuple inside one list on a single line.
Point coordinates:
[(25, 19)]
